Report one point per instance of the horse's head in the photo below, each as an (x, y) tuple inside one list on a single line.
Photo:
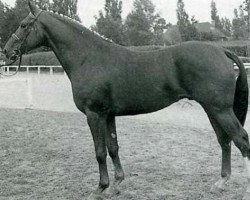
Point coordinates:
[(28, 36)]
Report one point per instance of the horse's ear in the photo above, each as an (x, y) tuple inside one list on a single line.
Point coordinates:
[(33, 9)]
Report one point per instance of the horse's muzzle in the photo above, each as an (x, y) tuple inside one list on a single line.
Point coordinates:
[(13, 56)]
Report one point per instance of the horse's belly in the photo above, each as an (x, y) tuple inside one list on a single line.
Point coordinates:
[(142, 103)]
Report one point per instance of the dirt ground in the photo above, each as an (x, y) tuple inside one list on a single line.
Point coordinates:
[(169, 155)]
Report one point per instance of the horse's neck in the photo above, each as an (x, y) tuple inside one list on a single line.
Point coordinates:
[(70, 45)]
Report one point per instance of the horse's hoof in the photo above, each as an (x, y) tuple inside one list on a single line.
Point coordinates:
[(94, 196), (112, 191), (217, 190)]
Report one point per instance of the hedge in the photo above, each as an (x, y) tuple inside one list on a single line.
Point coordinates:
[(239, 50), (40, 58)]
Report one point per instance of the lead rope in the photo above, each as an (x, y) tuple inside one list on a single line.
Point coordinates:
[(19, 67)]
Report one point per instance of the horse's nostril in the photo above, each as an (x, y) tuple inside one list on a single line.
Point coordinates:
[(5, 51)]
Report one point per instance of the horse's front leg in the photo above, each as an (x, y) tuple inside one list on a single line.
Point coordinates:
[(98, 127)]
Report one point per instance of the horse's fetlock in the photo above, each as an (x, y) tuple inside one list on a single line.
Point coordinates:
[(104, 184)]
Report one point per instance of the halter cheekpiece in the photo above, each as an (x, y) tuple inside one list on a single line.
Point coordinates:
[(15, 37)]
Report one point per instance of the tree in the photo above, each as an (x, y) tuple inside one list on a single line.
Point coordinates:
[(9, 20), (223, 24), (109, 24), (187, 28), (43, 4), (159, 26), (246, 8), (142, 25), (215, 17), (66, 7), (239, 27), (226, 26)]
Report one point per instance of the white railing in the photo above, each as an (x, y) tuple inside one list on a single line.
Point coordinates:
[(51, 71), (247, 66), (27, 68)]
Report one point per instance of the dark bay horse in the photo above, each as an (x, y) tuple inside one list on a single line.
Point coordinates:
[(109, 80)]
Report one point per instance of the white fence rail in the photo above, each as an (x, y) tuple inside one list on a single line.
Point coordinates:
[(7, 70), (247, 66), (38, 67)]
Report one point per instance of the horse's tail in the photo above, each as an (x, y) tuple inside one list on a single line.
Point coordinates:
[(241, 92)]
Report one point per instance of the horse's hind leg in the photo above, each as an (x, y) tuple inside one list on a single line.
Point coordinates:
[(113, 148), (225, 143), (228, 123)]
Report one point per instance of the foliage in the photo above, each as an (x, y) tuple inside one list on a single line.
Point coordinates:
[(143, 26), (109, 24), (227, 26), (222, 24), (215, 17), (239, 26), (207, 36), (246, 8), (43, 4), (159, 27), (66, 7), (239, 50), (9, 22), (186, 27), (40, 58)]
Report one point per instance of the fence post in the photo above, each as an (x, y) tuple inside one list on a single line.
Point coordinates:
[(38, 70), (29, 92), (51, 70)]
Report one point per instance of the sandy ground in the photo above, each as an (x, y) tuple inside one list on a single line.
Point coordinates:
[(168, 155)]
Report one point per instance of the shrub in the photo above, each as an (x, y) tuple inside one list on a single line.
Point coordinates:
[(40, 58), (239, 50)]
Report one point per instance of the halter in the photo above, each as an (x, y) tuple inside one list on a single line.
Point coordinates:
[(17, 38)]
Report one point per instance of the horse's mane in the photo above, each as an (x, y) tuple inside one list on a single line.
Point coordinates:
[(77, 25)]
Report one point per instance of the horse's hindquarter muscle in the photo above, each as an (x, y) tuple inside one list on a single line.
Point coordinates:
[(206, 74)]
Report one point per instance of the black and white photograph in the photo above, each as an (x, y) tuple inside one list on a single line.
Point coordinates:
[(124, 99)]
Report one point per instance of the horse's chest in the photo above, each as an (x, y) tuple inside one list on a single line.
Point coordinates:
[(94, 96)]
